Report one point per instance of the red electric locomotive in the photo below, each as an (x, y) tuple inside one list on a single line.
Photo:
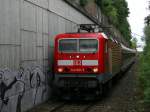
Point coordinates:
[(88, 61)]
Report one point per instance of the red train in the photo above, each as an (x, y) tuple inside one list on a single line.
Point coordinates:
[(88, 61)]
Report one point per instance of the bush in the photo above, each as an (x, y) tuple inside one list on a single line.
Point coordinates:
[(144, 77), (117, 11), (147, 95), (83, 2)]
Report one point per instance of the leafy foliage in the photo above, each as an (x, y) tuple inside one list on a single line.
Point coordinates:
[(134, 43), (117, 12), (83, 2), (145, 66)]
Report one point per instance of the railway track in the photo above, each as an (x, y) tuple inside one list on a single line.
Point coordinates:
[(120, 99), (73, 107), (50, 106), (57, 107), (64, 107)]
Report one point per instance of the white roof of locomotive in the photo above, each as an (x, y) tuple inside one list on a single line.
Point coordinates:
[(127, 49), (104, 35)]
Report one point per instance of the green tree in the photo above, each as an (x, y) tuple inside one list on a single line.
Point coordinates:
[(134, 43), (145, 66), (108, 9), (83, 2), (117, 12)]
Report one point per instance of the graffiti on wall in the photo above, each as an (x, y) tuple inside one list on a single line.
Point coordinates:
[(16, 88)]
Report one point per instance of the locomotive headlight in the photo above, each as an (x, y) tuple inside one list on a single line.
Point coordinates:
[(60, 69), (95, 70)]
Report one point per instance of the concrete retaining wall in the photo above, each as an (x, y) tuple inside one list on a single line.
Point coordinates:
[(27, 27)]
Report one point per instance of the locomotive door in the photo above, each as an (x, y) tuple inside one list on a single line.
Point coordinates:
[(106, 57), (109, 56)]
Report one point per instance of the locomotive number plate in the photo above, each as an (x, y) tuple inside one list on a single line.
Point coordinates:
[(76, 70), (77, 62)]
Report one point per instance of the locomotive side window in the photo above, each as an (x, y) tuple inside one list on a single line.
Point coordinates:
[(68, 45), (88, 45)]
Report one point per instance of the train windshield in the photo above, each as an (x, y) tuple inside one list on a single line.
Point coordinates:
[(68, 45), (88, 45), (78, 45)]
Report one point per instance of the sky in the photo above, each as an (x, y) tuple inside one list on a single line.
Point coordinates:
[(138, 11)]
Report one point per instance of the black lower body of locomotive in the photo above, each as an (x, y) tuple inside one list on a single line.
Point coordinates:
[(85, 86)]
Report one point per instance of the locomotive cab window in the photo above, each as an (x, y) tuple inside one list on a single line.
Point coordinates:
[(68, 45), (78, 45), (88, 45)]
